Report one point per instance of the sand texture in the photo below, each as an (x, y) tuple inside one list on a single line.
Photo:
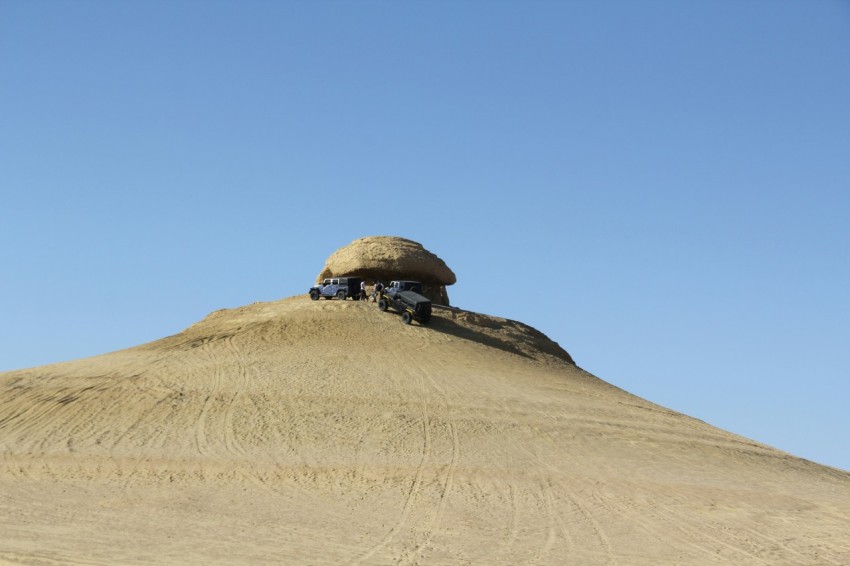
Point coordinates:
[(328, 432)]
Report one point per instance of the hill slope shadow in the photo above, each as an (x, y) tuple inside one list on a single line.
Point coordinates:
[(506, 335)]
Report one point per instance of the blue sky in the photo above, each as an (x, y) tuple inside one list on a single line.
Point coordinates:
[(661, 187)]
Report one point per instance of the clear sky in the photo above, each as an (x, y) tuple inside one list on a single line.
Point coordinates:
[(661, 187)]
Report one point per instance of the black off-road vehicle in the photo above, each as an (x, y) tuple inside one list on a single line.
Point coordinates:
[(404, 297), (339, 287)]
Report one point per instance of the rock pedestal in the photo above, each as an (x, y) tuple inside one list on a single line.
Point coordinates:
[(388, 258)]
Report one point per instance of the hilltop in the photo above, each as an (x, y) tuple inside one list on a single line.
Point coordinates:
[(328, 432)]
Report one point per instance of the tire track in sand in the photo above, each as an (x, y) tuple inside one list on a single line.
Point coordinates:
[(231, 441), (435, 519), (201, 442), (595, 527), (205, 445), (514, 524), (556, 522), (438, 516), (681, 529), (514, 521), (226, 389), (415, 487)]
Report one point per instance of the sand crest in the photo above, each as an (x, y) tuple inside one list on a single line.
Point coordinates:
[(327, 432)]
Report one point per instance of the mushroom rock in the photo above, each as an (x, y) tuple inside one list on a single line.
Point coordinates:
[(387, 258)]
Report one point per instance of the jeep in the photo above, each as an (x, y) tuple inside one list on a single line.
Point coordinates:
[(339, 287), (404, 297)]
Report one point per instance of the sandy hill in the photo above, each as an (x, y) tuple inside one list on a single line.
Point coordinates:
[(299, 432)]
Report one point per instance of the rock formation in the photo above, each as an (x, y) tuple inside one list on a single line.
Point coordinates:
[(387, 258)]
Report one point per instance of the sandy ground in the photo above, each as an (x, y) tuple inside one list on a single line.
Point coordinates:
[(300, 432)]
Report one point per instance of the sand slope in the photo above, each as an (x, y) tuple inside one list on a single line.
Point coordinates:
[(305, 432)]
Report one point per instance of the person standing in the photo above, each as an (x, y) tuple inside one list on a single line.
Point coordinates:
[(379, 291), (363, 295)]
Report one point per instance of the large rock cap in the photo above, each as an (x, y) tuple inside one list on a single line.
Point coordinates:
[(384, 258)]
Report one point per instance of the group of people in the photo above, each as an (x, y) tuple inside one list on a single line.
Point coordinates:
[(377, 291)]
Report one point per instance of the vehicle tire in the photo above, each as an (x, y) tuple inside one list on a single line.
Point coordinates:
[(406, 317), (314, 295), (425, 319), (341, 295), (382, 304)]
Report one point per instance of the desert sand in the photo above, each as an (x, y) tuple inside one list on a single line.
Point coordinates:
[(328, 432)]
